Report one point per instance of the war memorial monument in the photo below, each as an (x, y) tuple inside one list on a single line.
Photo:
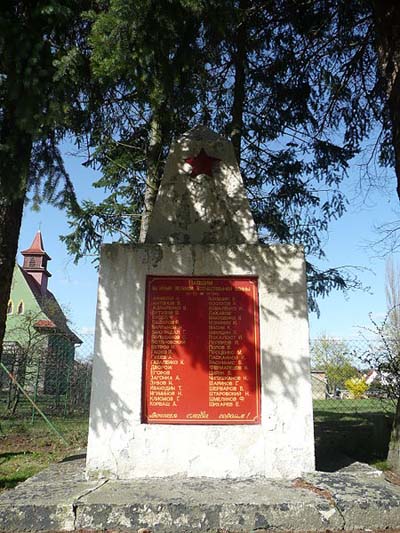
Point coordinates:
[(201, 355), (201, 385)]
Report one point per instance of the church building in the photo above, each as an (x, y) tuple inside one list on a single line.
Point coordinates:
[(38, 342)]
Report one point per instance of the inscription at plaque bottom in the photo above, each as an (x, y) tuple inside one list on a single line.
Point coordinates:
[(201, 351)]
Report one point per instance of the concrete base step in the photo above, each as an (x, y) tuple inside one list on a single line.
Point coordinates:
[(59, 498)]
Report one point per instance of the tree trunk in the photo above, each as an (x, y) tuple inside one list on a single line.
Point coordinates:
[(239, 61), (14, 170), (387, 31), (17, 398), (393, 457), (153, 175), (10, 224), (394, 109), (387, 25)]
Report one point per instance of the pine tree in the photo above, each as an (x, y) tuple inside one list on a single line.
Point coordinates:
[(241, 68), (43, 76)]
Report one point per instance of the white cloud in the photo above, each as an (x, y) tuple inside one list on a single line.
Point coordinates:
[(86, 330)]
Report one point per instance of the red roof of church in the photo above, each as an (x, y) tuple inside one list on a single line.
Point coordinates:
[(46, 300), (37, 246), (45, 324), (51, 308)]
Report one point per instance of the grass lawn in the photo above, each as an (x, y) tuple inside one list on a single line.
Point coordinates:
[(25, 449), (354, 429), (351, 409)]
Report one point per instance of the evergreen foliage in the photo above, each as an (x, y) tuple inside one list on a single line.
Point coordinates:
[(295, 84), (43, 79)]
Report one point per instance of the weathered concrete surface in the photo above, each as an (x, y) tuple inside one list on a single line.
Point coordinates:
[(59, 498), (201, 209), (45, 501), (201, 225), (121, 446)]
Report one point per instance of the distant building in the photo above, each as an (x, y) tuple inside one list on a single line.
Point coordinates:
[(380, 383), (319, 385), (38, 340)]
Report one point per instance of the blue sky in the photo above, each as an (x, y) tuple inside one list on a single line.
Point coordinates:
[(348, 243), (351, 242)]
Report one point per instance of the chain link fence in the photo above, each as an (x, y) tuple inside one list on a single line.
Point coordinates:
[(342, 369), (354, 399), (55, 375), (60, 379), (353, 407)]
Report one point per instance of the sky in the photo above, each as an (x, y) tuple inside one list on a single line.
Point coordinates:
[(352, 241), (349, 242)]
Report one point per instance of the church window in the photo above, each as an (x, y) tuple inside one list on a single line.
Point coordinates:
[(10, 307), (20, 309), (32, 262)]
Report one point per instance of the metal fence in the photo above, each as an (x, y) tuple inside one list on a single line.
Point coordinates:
[(354, 398), (350, 369), (353, 407), (54, 375), (342, 377)]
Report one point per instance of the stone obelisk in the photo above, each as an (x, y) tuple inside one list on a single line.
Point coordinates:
[(201, 356)]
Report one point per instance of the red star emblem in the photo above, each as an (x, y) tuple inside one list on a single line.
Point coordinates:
[(202, 163)]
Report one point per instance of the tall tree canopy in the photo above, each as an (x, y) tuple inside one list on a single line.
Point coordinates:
[(43, 76), (296, 84)]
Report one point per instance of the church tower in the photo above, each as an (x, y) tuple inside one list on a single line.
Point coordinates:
[(35, 263)]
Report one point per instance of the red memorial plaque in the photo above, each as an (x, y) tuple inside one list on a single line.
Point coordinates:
[(201, 351)]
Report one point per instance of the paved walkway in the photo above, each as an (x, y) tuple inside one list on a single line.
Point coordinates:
[(357, 497)]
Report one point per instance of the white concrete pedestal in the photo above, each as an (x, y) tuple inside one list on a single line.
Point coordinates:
[(120, 446)]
